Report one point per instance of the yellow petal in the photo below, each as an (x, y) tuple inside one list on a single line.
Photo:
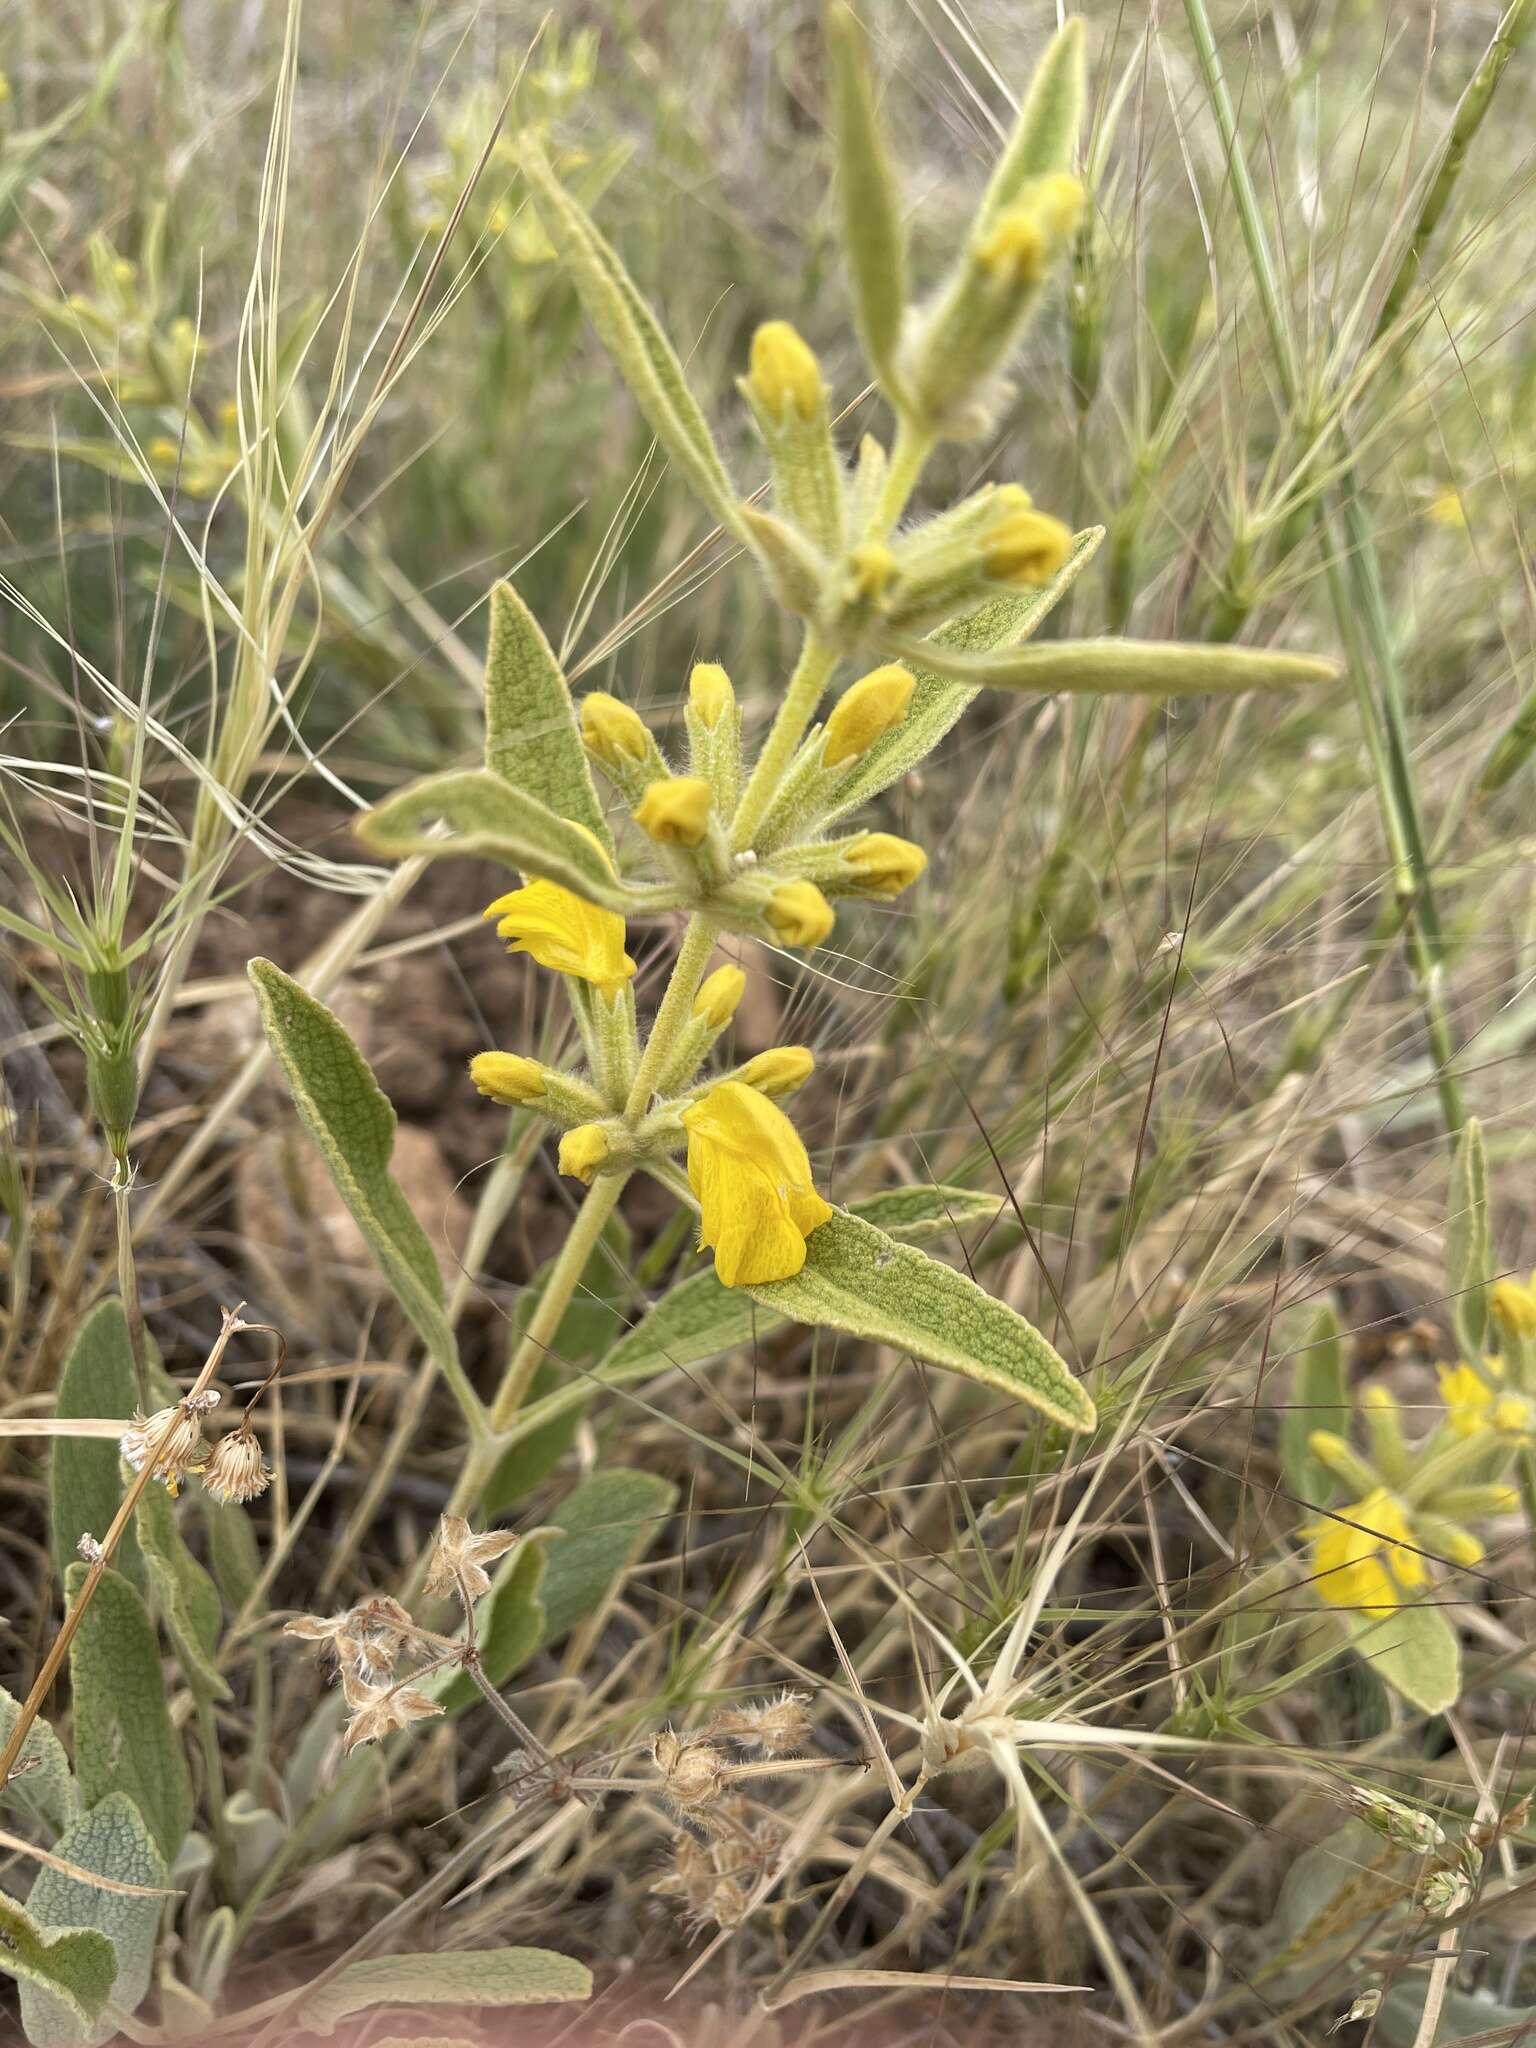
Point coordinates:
[(565, 933)]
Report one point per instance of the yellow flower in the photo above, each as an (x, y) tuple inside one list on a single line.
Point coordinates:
[(780, 1071), (871, 706), (710, 693), (675, 812), (748, 1168), (784, 375), (885, 864), (507, 1077), (874, 570), (1467, 1395), (1017, 248), (718, 996), (1365, 1555), (1448, 508), (612, 730), (1026, 547), (583, 1151), (1514, 1308), (800, 914), (564, 932)]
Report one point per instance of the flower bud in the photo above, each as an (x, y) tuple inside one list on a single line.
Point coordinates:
[(779, 1071), (1016, 250), (884, 864), (872, 571), (800, 914), (236, 1471), (507, 1077), (612, 730), (710, 693), (871, 706), (1025, 547), (1342, 1460), (583, 1151), (718, 996), (1514, 1308), (676, 812), (783, 374)]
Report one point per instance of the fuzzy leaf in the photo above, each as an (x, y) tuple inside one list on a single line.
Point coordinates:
[(113, 1841), (350, 1119), (873, 237), (187, 1598), (486, 818), (606, 1522), (1414, 1649), (46, 1787), (632, 336), (233, 1552), (532, 740), (1127, 668), (124, 1741), (1045, 134), (938, 705), (858, 1280), (1468, 1240), (74, 1969), (1318, 1400), (485, 1976), (699, 1318), (84, 1483)]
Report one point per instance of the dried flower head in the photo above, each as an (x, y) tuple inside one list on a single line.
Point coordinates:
[(459, 1558), (173, 1437), (692, 1771), (236, 1470), (380, 1710), (368, 1639)]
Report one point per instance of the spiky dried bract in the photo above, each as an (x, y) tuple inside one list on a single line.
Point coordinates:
[(459, 1558), (368, 1640), (380, 1710), (692, 1772), (172, 1437)]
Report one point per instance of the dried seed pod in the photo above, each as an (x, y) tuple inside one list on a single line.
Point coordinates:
[(236, 1470)]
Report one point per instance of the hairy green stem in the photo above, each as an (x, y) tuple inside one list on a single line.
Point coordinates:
[(564, 1278), (909, 456), (672, 1017), (812, 671)]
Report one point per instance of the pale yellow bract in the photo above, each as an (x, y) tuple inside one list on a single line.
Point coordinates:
[(750, 1172)]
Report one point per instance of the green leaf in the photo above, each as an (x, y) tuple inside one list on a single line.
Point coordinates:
[(1127, 668), (255, 1835), (937, 704), (699, 1318), (1468, 1240), (606, 1523), (46, 1786), (113, 1841), (1346, 1860), (233, 1552), (350, 1119), (75, 1969), (1318, 1400), (511, 1619), (873, 236), (532, 740), (1045, 134), (487, 818), (858, 1280), (486, 1976), (187, 1598), (632, 336), (1415, 1651), (124, 1741), (84, 1483)]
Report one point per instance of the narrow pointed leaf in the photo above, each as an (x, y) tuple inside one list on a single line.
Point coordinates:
[(1318, 1400), (1414, 1649), (1468, 1252), (873, 238), (472, 811), (1126, 668), (113, 1841), (124, 1741), (938, 703), (187, 1598), (532, 740), (353, 1126), (633, 337), (858, 1280), (1044, 137)]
